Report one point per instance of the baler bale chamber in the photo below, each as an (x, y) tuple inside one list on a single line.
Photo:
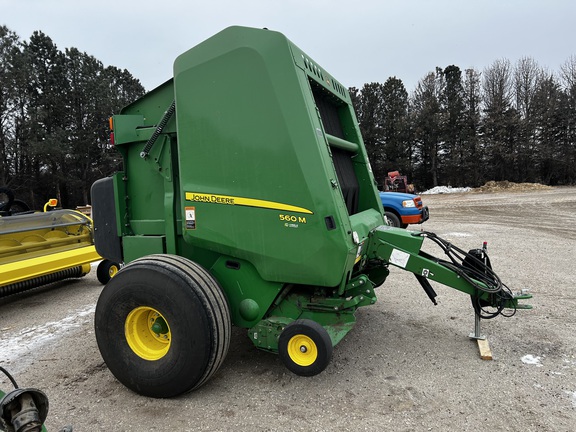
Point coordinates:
[(246, 198)]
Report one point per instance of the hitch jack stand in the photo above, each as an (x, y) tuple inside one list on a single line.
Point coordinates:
[(483, 345)]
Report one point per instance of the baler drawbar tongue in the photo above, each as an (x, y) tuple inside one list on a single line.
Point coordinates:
[(470, 272)]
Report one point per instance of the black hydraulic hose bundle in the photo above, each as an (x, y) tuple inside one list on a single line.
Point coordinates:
[(474, 266)]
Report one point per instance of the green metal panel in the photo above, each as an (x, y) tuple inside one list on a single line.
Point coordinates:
[(152, 106), (251, 297), (138, 246)]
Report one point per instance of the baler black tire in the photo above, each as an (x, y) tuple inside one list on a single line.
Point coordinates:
[(19, 207), (305, 347), (5, 204), (106, 270), (196, 314), (393, 220)]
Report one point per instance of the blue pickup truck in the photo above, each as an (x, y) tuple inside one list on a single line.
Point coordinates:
[(403, 209)]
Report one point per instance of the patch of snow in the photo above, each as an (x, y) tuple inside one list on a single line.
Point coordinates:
[(573, 397), (445, 190), (23, 345), (530, 359), (457, 234)]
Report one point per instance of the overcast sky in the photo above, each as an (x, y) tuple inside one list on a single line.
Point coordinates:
[(357, 41)]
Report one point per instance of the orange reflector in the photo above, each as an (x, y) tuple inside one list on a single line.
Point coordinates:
[(52, 202), (111, 123)]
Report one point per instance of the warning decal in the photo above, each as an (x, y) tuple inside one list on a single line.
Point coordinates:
[(190, 218), (399, 258)]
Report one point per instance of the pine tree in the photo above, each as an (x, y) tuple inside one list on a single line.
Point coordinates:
[(427, 128), (397, 145)]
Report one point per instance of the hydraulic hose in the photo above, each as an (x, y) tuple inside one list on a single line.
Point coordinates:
[(477, 272)]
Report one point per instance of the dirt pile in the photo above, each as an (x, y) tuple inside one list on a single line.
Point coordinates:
[(497, 186)]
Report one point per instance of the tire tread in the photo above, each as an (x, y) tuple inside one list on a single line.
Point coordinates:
[(212, 296)]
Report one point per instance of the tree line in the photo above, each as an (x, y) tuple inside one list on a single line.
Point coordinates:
[(508, 122), (54, 110)]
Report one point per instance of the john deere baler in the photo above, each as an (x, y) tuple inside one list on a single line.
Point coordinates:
[(247, 198)]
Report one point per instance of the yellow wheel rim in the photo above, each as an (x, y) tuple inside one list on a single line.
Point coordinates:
[(112, 271), (147, 333), (302, 350)]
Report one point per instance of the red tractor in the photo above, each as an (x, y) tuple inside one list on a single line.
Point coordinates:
[(397, 183)]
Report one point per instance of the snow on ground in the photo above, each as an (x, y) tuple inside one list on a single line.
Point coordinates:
[(19, 347), (491, 186), (445, 190), (531, 360)]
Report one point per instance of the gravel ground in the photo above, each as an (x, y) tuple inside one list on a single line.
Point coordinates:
[(406, 366)]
